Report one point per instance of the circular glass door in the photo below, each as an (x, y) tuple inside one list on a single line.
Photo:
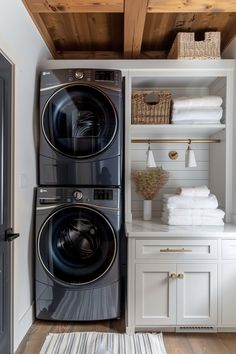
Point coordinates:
[(76, 245), (79, 121)]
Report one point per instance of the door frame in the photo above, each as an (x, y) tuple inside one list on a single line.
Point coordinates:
[(11, 197)]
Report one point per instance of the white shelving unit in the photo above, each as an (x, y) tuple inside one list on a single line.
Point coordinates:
[(215, 160), (167, 265)]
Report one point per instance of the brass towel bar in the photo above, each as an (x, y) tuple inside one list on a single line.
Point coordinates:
[(188, 141)]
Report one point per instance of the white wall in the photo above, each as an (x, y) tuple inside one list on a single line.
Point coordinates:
[(22, 43)]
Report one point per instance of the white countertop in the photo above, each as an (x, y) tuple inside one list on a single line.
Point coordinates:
[(154, 228)]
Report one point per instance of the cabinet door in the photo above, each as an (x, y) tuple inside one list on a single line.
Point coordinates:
[(197, 294), (228, 294), (155, 294)]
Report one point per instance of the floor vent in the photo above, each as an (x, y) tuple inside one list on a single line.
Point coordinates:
[(199, 329)]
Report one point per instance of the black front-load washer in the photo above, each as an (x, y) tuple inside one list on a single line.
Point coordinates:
[(81, 127), (77, 266)]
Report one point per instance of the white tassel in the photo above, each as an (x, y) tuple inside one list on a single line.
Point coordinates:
[(150, 158), (190, 160)]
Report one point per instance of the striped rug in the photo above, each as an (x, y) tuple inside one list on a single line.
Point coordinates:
[(103, 343)]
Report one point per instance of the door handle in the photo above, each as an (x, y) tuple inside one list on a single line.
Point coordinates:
[(10, 235)]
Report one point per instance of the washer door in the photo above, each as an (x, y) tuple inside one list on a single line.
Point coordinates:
[(76, 245), (79, 121)]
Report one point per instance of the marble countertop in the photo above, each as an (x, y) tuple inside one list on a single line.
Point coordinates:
[(154, 228)]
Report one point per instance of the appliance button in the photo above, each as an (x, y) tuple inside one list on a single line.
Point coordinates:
[(79, 75), (78, 195)]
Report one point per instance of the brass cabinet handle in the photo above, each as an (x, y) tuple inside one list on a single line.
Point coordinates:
[(169, 250), (173, 275), (180, 276)]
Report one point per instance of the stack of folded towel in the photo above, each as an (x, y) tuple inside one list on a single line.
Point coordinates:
[(197, 110), (191, 206)]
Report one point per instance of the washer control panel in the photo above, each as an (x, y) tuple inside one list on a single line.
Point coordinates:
[(47, 197)]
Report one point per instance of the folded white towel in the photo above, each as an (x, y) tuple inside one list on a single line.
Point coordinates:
[(197, 101), (196, 122), (213, 213), (201, 114), (173, 201), (191, 220), (200, 191)]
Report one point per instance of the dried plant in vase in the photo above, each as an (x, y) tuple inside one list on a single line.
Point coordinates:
[(148, 183)]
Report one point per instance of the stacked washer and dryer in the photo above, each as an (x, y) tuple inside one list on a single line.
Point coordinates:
[(79, 203)]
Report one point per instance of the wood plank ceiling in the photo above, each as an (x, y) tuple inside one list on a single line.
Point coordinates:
[(116, 29)]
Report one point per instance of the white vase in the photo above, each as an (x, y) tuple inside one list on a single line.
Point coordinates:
[(147, 210)]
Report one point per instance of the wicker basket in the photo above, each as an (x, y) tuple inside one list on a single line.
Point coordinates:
[(186, 47), (151, 106)]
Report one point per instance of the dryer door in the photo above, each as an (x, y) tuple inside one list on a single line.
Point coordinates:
[(76, 245), (79, 121)]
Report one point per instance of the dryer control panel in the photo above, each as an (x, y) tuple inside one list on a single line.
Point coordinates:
[(52, 79)]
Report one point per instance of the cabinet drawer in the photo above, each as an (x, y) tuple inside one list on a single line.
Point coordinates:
[(229, 249), (176, 249)]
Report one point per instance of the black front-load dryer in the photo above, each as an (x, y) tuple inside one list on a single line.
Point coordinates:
[(77, 254), (81, 128)]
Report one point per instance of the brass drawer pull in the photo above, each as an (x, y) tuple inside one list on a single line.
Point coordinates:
[(180, 275), (169, 250), (173, 275)]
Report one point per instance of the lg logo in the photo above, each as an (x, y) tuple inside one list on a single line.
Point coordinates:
[(43, 190)]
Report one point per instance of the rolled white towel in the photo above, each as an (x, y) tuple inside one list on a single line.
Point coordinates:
[(200, 191), (197, 101), (213, 213), (201, 114), (174, 201), (192, 220)]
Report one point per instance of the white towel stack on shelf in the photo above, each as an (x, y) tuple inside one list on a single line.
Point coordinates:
[(191, 206), (197, 110)]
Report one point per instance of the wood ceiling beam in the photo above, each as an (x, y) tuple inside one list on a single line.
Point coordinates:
[(74, 6), (175, 6), (134, 21)]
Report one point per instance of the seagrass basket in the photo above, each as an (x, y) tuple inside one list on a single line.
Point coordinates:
[(151, 106), (186, 47)]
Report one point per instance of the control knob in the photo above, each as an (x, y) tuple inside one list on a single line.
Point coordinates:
[(78, 195), (79, 75)]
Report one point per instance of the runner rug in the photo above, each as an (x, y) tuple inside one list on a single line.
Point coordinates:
[(103, 343)]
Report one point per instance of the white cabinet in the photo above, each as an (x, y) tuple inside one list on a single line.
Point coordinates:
[(197, 294), (155, 294), (176, 294)]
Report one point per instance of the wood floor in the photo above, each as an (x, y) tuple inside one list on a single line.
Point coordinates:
[(222, 343)]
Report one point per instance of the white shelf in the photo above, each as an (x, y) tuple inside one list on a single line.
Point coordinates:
[(174, 131)]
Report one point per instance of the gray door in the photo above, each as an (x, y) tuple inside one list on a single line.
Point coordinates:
[(6, 234)]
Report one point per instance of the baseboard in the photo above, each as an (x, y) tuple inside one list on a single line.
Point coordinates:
[(182, 329), (226, 329), (22, 325)]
